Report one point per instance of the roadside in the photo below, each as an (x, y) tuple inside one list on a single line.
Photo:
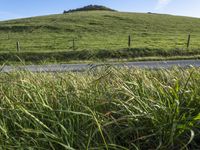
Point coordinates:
[(83, 67), (99, 61), (89, 56)]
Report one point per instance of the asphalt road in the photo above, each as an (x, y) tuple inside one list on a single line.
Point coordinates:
[(82, 67)]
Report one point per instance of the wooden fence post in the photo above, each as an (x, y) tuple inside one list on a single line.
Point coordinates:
[(129, 41), (188, 42), (8, 35), (73, 44), (18, 46)]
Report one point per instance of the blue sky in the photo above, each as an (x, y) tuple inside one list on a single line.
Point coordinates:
[(10, 9)]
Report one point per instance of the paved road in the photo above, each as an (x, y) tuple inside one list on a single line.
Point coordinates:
[(82, 67)]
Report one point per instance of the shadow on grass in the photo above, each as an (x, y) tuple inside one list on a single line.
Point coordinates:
[(94, 55)]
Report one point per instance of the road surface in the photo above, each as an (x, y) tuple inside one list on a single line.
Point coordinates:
[(82, 67)]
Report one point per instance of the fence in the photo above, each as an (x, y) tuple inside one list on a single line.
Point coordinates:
[(32, 42)]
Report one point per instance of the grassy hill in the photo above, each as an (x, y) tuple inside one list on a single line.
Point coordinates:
[(102, 32)]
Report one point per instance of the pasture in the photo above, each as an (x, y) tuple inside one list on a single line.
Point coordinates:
[(98, 32)]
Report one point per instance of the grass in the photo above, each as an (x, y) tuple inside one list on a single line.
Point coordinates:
[(98, 56), (100, 31), (103, 108)]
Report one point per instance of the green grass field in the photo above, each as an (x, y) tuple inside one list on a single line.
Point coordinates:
[(94, 31), (107, 108)]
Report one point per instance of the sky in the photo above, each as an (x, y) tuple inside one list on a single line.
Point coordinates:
[(11, 9)]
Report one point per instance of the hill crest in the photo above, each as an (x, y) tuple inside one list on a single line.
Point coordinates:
[(90, 8)]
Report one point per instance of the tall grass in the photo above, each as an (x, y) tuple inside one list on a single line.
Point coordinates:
[(106, 108)]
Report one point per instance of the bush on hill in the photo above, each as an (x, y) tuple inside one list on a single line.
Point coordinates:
[(89, 8)]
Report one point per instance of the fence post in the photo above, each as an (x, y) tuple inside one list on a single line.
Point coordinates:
[(18, 46), (188, 42), (129, 41), (8, 36), (73, 44)]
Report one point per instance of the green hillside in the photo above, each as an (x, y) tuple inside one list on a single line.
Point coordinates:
[(101, 30)]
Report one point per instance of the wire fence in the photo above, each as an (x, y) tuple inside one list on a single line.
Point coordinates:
[(24, 41)]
